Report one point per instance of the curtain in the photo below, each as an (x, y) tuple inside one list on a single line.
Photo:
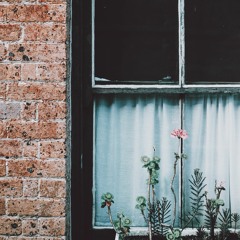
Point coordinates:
[(213, 123), (129, 126)]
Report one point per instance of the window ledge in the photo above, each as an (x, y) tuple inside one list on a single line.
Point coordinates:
[(188, 231), (217, 88)]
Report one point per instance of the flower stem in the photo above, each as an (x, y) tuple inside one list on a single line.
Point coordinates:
[(111, 220), (149, 206), (174, 175)]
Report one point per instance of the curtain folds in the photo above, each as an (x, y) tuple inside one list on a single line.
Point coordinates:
[(129, 126)]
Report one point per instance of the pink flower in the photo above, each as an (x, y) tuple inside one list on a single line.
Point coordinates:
[(179, 133)]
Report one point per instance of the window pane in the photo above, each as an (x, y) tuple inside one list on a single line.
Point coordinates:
[(213, 144), (136, 40), (212, 41), (127, 127)]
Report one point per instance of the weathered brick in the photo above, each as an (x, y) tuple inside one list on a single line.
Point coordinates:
[(35, 91), (11, 187), (2, 90), (36, 13), (3, 129), (2, 168), (51, 110), (50, 149), (10, 32), (30, 188), (9, 110), (52, 226), (30, 227), (30, 148), (18, 1), (37, 52), (45, 32), (10, 226), (34, 238), (3, 13), (36, 130), (28, 71), (2, 206), (10, 71), (52, 188), (52, 208), (36, 207), (36, 168), (53, 72), (3, 50), (10, 148), (29, 111), (52, 1)]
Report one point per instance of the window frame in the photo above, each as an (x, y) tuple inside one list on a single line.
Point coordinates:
[(83, 89)]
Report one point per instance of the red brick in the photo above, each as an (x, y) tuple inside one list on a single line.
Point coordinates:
[(30, 227), (52, 226), (2, 90), (10, 226), (10, 71), (3, 129), (45, 32), (28, 71), (36, 91), (3, 50), (36, 207), (29, 111), (54, 72), (51, 110), (30, 188), (3, 13), (36, 168), (50, 149), (52, 188), (37, 52), (30, 148), (10, 148), (36, 130), (2, 206), (36, 13), (2, 168), (52, 1), (10, 32), (33, 238), (11, 187)]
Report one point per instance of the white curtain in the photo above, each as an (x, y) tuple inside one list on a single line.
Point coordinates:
[(213, 123), (127, 127)]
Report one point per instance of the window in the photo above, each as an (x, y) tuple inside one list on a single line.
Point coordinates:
[(149, 67)]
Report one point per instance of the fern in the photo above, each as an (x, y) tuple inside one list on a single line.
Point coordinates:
[(197, 186), (153, 213), (164, 214), (235, 218), (225, 219)]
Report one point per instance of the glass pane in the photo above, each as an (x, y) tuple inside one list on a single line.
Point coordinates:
[(127, 127), (212, 41), (212, 122), (136, 40)]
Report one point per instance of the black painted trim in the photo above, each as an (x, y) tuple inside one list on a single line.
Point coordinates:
[(82, 126)]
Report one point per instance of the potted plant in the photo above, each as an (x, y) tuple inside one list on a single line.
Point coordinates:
[(157, 212)]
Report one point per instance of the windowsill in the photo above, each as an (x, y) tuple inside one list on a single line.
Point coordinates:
[(125, 88), (186, 232)]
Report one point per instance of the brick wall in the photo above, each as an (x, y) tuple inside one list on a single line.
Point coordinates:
[(32, 119)]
